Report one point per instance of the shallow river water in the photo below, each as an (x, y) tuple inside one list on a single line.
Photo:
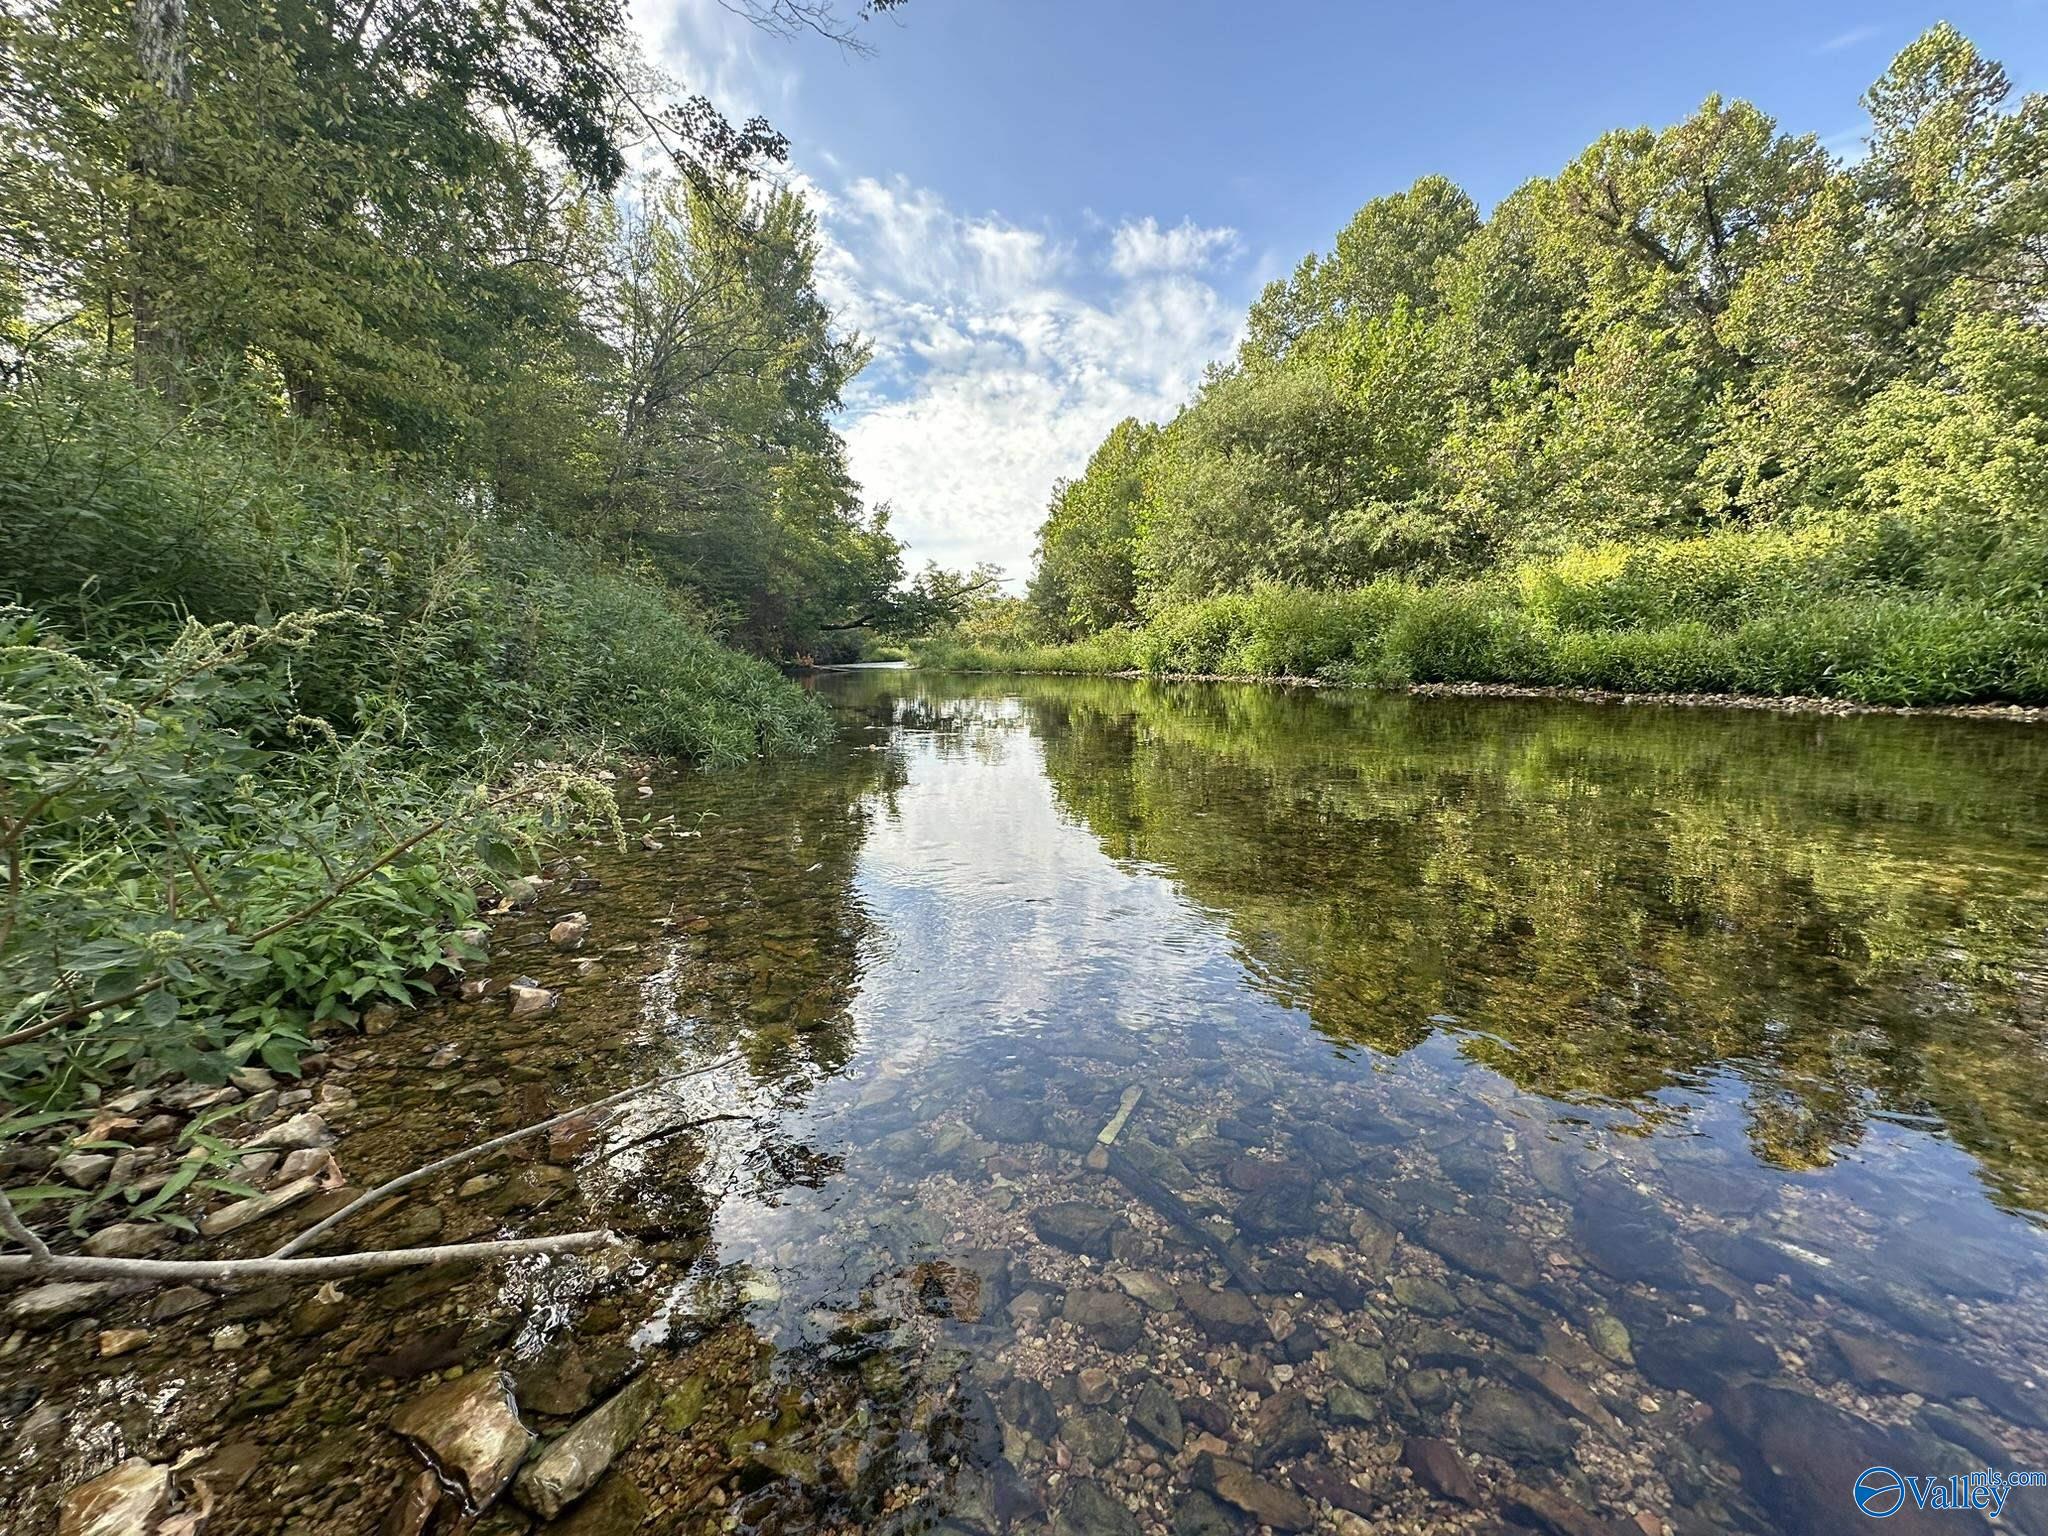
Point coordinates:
[(1196, 1108)]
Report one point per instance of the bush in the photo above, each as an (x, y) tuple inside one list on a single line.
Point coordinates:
[(478, 630)]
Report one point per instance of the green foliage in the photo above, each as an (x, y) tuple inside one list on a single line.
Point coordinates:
[(1707, 409), (180, 898), (478, 630)]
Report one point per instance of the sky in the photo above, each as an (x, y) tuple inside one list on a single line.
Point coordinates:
[(1047, 215)]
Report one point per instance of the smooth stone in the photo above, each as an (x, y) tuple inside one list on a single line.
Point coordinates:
[(1111, 1318), (1201, 1514), (1515, 1427), (1422, 1295), (128, 1501), (1095, 1436), (1157, 1417), (1283, 1428), (1237, 1485), (1228, 1315), (1075, 1226), (1480, 1249), (571, 1466), (1437, 1466), (1088, 1511), (1806, 1454), (1146, 1288), (470, 1428)]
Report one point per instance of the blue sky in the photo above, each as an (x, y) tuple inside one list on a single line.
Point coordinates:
[(1048, 215)]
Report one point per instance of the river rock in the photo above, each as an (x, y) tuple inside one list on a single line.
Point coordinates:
[(1109, 1317), (1358, 1365), (1480, 1248), (1437, 1466), (1156, 1416), (303, 1130), (1702, 1356), (1009, 1120), (470, 1429), (127, 1240), (115, 1342), (409, 1514), (571, 1466), (1200, 1514), (128, 1501), (1632, 1243), (1230, 1317), (527, 1000), (1096, 1436), (1515, 1427), (1284, 1427), (1279, 1198), (1537, 1509), (1088, 1511), (1348, 1405), (616, 1508), (1025, 1405), (1806, 1455), (1884, 1365), (1146, 1288), (242, 1213), (1423, 1296), (570, 931), (1076, 1226), (41, 1305), (1238, 1486)]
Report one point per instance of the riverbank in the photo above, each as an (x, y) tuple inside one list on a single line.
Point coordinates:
[(2025, 714)]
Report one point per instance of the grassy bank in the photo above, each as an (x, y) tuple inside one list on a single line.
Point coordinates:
[(1817, 614), (272, 714)]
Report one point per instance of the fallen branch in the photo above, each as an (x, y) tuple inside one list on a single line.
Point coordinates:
[(391, 1186), (62, 1266)]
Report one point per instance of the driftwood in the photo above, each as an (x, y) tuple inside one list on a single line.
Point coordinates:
[(286, 1263)]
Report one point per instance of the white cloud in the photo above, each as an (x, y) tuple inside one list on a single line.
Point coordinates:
[(996, 371), (1004, 352), (1187, 247), (1842, 41)]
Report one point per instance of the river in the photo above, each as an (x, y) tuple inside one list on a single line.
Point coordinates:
[(1187, 1107)]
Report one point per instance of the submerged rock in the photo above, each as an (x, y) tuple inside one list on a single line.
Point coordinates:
[(1238, 1486), (128, 1501), (470, 1429), (1229, 1316), (1437, 1466), (1109, 1317), (530, 1000), (1096, 1436), (1481, 1249), (1283, 1428), (1515, 1427), (1088, 1511), (1076, 1226), (1156, 1416), (571, 1466), (1358, 1366)]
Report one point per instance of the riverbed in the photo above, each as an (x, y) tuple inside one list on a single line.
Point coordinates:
[(1152, 1107)]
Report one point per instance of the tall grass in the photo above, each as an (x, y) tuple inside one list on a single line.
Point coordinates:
[(1818, 612), (475, 628)]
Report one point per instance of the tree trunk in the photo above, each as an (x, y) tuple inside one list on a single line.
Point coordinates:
[(162, 88)]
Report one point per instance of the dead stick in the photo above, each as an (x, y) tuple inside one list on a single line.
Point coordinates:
[(59, 1266), (389, 1186), (12, 1224)]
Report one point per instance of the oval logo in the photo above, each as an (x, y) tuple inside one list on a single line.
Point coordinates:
[(1880, 1492)]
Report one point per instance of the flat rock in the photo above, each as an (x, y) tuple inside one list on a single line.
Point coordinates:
[(1229, 1316), (1482, 1249), (242, 1213), (470, 1428), (1147, 1289), (1358, 1365), (1089, 1511), (571, 1466), (127, 1240), (1095, 1436), (302, 1130), (1437, 1466), (1238, 1486), (1075, 1226), (1515, 1427), (128, 1501), (1109, 1317), (616, 1508), (41, 1305), (527, 1001), (1156, 1416)]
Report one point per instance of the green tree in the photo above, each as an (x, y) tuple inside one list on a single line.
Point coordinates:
[(1086, 577)]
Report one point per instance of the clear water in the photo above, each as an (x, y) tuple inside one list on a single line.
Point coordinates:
[(1569, 1118)]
